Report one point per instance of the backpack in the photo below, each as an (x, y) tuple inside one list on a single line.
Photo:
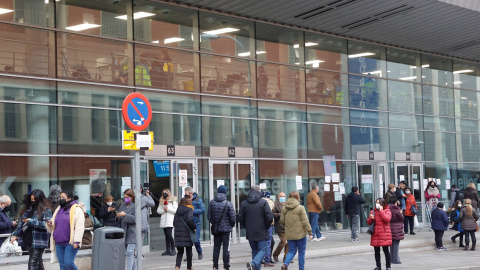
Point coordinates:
[(460, 196)]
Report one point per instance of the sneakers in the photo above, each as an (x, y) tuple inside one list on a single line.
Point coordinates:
[(284, 267), (453, 239), (354, 240), (406, 233), (250, 266), (441, 248), (321, 238), (412, 233), (200, 256)]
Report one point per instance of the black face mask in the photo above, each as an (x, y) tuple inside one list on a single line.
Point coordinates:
[(33, 203), (187, 196), (165, 195), (6, 208), (62, 202)]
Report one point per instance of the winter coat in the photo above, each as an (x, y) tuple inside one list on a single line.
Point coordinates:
[(353, 203), (439, 220), (109, 218), (271, 204), (396, 223), (147, 201), (40, 233), (182, 232), (215, 210), (313, 202), (455, 195), (166, 220), (6, 225), (295, 220), (198, 209), (389, 195), (255, 216), (409, 200), (277, 212), (76, 223), (454, 215), (382, 236), (469, 223), (472, 194), (127, 223)]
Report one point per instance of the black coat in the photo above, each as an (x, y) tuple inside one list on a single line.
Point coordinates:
[(215, 210), (182, 233), (108, 217), (6, 225), (255, 216), (352, 204), (472, 194)]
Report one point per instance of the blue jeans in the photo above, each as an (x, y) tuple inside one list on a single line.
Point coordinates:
[(313, 219), (131, 265), (259, 249), (269, 245), (197, 244), (66, 256), (293, 246)]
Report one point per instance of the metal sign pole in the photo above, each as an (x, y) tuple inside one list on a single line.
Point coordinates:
[(138, 209)]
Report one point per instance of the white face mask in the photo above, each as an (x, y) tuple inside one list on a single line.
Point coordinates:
[(377, 205), (459, 205), (109, 203)]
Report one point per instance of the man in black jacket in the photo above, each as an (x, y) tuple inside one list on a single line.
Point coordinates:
[(352, 210), (256, 217), (6, 225)]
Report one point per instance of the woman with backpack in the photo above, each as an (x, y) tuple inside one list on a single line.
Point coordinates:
[(468, 218), (457, 226)]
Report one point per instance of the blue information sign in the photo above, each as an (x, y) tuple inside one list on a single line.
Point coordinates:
[(162, 168)]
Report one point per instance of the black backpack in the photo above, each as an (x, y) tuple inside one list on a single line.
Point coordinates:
[(460, 196)]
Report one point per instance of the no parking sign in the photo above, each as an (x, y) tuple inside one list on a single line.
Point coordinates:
[(183, 180)]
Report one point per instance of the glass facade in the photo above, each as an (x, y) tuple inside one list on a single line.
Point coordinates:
[(301, 107)]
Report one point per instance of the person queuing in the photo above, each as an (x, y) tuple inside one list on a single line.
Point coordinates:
[(382, 235), (314, 207), (400, 194), (167, 208), (471, 193), (352, 210), (409, 215), (256, 217), (279, 228), (6, 225), (456, 195), (297, 226), (439, 225), (33, 228), (198, 210), (87, 240), (222, 215), (396, 227), (432, 195), (468, 218), (184, 224), (268, 261), (457, 226), (390, 193), (107, 212), (146, 202), (126, 220)]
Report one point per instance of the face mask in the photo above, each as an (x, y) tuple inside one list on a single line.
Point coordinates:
[(62, 202), (165, 195), (377, 205), (128, 200), (460, 205), (187, 196), (109, 203), (33, 203), (282, 199), (6, 208), (407, 192)]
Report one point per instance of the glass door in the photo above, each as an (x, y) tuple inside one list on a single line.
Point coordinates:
[(372, 180), (179, 167), (237, 176), (412, 174)]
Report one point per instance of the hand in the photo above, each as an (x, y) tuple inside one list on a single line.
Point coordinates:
[(75, 246), (49, 222), (13, 239), (311, 237), (121, 214), (372, 216), (26, 220), (14, 223), (111, 209), (165, 208)]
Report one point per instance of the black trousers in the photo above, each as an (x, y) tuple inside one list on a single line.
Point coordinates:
[(35, 261), (407, 221), (169, 238), (467, 238), (180, 251), (459, 234), (377, 256), (438, 238), (220, 239)]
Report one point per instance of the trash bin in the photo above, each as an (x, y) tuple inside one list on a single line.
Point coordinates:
[(108, 251)]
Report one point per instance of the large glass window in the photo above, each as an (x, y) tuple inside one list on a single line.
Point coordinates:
[(325, 52), (466, 104), (217, 131), (404, 97), (89, 95), (437, 70), (440, 146), (406, 141), (403, 65), (465, 75), (34, 12), (366, 59), (279, 82), (19, 89), (323, 87), (368, 93), (279, 44), (331, 140), (438, 101)]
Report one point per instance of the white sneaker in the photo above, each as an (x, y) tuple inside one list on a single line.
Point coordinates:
[(313, 239), (321, 238)]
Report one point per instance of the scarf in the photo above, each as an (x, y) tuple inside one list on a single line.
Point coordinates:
[(433, 191)]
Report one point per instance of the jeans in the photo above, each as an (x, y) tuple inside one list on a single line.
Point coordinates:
[(66, 256), (294, 245), (438, 238), (406, 222), (377, 256), (180, 251), (169, 242), (282, 244), (313, 219), (459, 234), (197, 244), (394, 251), (220, 239), (259, 249), (354, 225), (131, 265), (35, 261), (269, 245), (467, 239)]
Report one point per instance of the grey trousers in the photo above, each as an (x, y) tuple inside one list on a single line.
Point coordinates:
[(394, 251), (354, 225)]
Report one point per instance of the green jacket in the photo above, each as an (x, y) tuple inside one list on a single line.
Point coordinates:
[(295, 220)]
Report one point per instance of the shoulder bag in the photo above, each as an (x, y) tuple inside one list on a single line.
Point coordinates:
[(414, 209), (371, 228), (193, 236), (214, 227)]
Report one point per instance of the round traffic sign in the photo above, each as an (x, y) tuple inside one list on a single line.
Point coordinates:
[(137, 111)]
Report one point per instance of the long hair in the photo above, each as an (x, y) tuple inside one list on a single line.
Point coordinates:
[(185, 201), (468, 206), (382, 202), (472, 185), (169, 195), (42, 202), (429, 183)]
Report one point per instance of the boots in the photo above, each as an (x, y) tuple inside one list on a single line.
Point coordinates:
[(473, 248), (465, 248), (166, 252)]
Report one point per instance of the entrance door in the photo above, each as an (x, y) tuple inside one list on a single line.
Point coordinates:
[(412, 174), (372, 181), (190, 165), (237, 176)]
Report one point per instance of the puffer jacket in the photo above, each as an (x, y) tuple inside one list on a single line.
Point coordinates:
[(182, 232), (215, 210), (472, 194), (255, 216), (277, 212), (382, 236), (198, 209), (166, 220), (396, 223), (295, 220), (468, 222), (439, 220), (109, 218), (454, 215), (409, 200)]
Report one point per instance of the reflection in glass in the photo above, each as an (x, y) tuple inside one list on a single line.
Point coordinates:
[(367, 92), (278, 44), (33, 12), (440, 146), (88, 95), (325, 52), (406, 141), (437, 70), (438, 101), (323, 87), (279, 82), (404, 97), (366, 59), (369, 139), (403, 65)]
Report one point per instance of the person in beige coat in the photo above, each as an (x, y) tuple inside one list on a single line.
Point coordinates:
[(66, 226), (295, 220)]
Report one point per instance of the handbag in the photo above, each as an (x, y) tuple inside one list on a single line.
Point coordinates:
[(214, 227), (371, 228), (9, 249), (414, 209), (193, 235)]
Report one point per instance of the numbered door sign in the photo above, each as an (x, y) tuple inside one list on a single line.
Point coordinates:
[(182, 178), (171, 150), (231, 151), (137, 111)]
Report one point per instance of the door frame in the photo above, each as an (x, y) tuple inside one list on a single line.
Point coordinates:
[(174, 176), (409, 165)]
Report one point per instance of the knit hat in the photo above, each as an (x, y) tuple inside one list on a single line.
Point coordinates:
[(222, 189), (266, 194), (391, 186)]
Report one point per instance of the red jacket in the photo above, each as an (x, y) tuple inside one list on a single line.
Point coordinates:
[(409, 200), (382, 236)]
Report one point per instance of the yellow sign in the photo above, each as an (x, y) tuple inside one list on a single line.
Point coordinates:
[(129, 145), (129, 135), (134, 140)]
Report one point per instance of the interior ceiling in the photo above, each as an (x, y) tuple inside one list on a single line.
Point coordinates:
[(447, 27)]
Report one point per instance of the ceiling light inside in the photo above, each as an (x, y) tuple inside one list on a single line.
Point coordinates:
[(463, 71), (4, 10), (244, 54), (156, 41), (373, 72), (82, 27), (221, 31), (172, 40), (308, 44), (136, 15), (408, 78), (459, 82), (361, 55), (261, 52)]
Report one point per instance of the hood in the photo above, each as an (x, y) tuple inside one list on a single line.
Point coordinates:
[(292, 203), (254, 196), (220, 197), (181, 210)]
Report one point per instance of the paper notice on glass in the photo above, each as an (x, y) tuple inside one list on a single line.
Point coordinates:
[(402, 177), (298, 178), (327, 179), (444, 193), (335, 177), (220, 183), (425, 183), (342, 190), (447, 184), (338, 196), (416, 184), (241, 183), (299, 186), (439, 182), (263, 185), (125, 188), (182, 178), (341, 184), (326, 188), (367, 178), (126, 181), (381, 188), (335, 188), (380, 178)]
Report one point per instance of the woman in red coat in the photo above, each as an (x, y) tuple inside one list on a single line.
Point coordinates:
[(409, 216), (382, 236)]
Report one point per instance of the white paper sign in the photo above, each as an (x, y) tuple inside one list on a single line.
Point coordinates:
[(241, 183), (263, 185), (425, 183), (439, 182), (341, 185), (182, 178), (327, 179), (125, 188), (126, 181), (367, 178), (338, 196), (143, 140), (447, 184), (342, 190), (416, 184), (335, 177), (326, 188), (380, 178), (299, 186), (335, 188), (298, 181), (402, 177), (220, 183)]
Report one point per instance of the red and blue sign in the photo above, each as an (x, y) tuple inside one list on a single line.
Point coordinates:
[(137, 111)]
